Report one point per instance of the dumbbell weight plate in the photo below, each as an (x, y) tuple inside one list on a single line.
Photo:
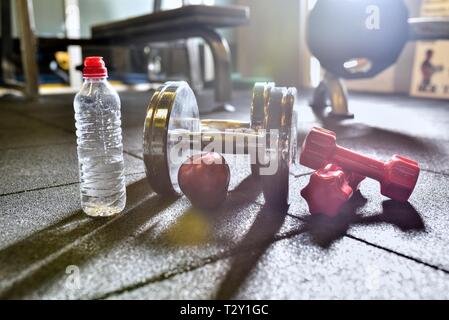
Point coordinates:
[(173, 109), (151, 143), (261, 96), (294, 144), (281, 146)]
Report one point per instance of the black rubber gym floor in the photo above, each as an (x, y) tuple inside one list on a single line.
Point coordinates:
[(164, 249)]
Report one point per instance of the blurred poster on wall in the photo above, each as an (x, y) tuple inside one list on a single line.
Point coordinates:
[(431, 66)]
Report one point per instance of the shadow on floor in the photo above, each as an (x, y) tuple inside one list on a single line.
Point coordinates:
[(43, 256), (199, 227), (375, 136), (248, 251), (325, 231)]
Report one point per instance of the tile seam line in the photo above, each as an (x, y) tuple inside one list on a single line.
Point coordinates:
[(52, 125), (71, 245), (160, 277), (56, 186), (141, 158), (296, 176), (63, 250), (426, 138), (386, 249), (43, 122), (38, 146), (203, 263), (258, 203), (444, 174), (398, 254), (302, 174), (229, 254)]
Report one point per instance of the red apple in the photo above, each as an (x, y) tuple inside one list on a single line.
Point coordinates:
[(204, 179)]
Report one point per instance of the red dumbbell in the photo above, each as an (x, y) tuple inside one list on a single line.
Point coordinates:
[(354, 179), (329, 189), (397, 177)]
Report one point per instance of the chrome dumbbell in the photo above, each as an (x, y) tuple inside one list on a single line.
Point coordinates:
[(172, 127)]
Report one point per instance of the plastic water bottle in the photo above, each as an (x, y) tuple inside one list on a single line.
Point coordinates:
[(100, 148)]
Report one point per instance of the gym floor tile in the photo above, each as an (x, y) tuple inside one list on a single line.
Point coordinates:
[(296, 268), (416, 229), (423, 118), (154, 237), (133, 140), (45, 166), (162, 248), (17, 131), (58, 111), (42, 212)]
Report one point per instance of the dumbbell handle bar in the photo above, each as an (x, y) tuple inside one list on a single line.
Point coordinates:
[(235, 137), (359, 163), (362, 165), (240, 139), (222, 125), (231, 142), (223, 142)]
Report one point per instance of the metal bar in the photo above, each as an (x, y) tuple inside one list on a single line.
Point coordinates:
[(14, 85), (157, 5), (222, 125), (434, 28), (64, 42), (222, 63), (195, 70), (73, 31), (28, 48), (234, 142), (6, 27), (218, 45), (7, 43), (338, 95)]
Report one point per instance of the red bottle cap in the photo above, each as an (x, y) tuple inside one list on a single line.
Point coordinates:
[(94, 67)]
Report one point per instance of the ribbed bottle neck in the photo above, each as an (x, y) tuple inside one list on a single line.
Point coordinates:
[(88, 79)]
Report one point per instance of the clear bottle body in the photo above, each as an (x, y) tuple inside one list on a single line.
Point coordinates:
[(100, 148)]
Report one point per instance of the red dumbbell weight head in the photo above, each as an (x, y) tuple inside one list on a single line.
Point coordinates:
[(329, 189), (354, 180)]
